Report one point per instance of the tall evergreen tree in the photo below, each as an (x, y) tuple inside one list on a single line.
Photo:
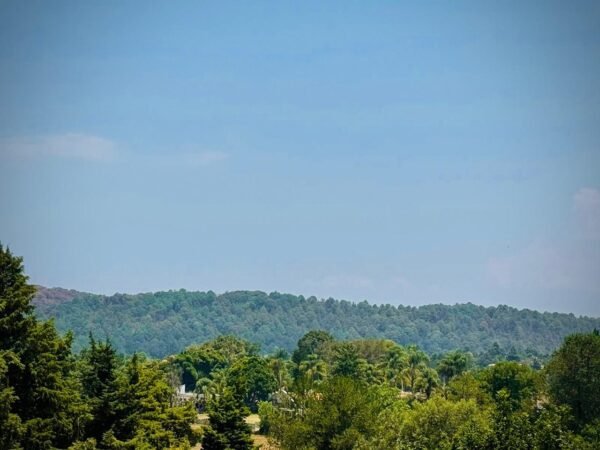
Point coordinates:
[(42, 405), (144, 414), (227, 429), (98, 376)]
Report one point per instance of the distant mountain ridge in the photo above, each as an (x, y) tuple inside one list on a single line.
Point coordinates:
[(54, 296), (163, 323)]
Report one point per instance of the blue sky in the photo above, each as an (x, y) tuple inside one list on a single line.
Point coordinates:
[(398, 152)]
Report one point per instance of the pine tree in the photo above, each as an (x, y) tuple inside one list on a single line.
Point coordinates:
[(227, 429), (41, 403), (98, 376), (143, 413)]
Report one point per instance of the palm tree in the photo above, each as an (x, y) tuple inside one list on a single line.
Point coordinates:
[(396, 360), (417, 361), (428, 379), (313, 369), (280, 369)]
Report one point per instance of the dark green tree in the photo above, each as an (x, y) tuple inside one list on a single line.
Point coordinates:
[(198, 361), (145, 414), (98, 368), (227, 429), (574, 376), (42, 405), (346, 362), (252, 380), (313, 342)]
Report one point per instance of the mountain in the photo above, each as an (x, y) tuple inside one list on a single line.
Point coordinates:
[(163, 323)]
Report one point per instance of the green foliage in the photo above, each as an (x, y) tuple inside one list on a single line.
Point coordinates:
[(444, 425), (252, 380), (340, 411), (315, 342), (512, 384), (453, 364), (231, 348), (227, 429), (163, 323), (41, 401), (347, 362), (355, 394), (310, 372), (511, 427), (468, 387), (574, 376), (281, 368), (267, 413), (144, 411), (197, 362), (394, 364), (98, 366), (416, 363), (552, 429)]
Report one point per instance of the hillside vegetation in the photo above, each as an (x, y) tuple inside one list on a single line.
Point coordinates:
[(163, 323), (331, 394)]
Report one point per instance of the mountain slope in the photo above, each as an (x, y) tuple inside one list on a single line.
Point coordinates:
[(162, 323)]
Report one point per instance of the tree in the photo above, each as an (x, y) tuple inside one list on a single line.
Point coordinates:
[(512, 428), (199, 361), (442, 424), (230, 348), (396, 361), (143, 408), (42, 406), (98, 375), (311, 372), (468, 387), (512, 383), (453, 364), (252, 380), (428, 379), (280, 366), (416, 363), (313, 342), (574, 376), (342, 411), (347, 363), (227, 429)]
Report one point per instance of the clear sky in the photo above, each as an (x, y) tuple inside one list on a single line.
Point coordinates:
[(398, 152)]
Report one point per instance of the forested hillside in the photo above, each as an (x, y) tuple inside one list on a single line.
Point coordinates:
[(165, 322)]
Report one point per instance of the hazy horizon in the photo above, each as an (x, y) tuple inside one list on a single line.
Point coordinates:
[(395, 153)]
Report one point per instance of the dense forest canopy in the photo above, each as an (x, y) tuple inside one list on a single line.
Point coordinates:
[(162, 323)]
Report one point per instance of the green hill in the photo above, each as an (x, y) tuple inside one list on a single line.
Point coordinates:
[(162, 323)]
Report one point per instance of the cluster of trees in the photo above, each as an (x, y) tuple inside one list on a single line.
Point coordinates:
[(163, 323), (379, 395), (327, 394), (51, 398)]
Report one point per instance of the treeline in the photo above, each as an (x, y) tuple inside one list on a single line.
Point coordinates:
[(164, 322), (327, 394)]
